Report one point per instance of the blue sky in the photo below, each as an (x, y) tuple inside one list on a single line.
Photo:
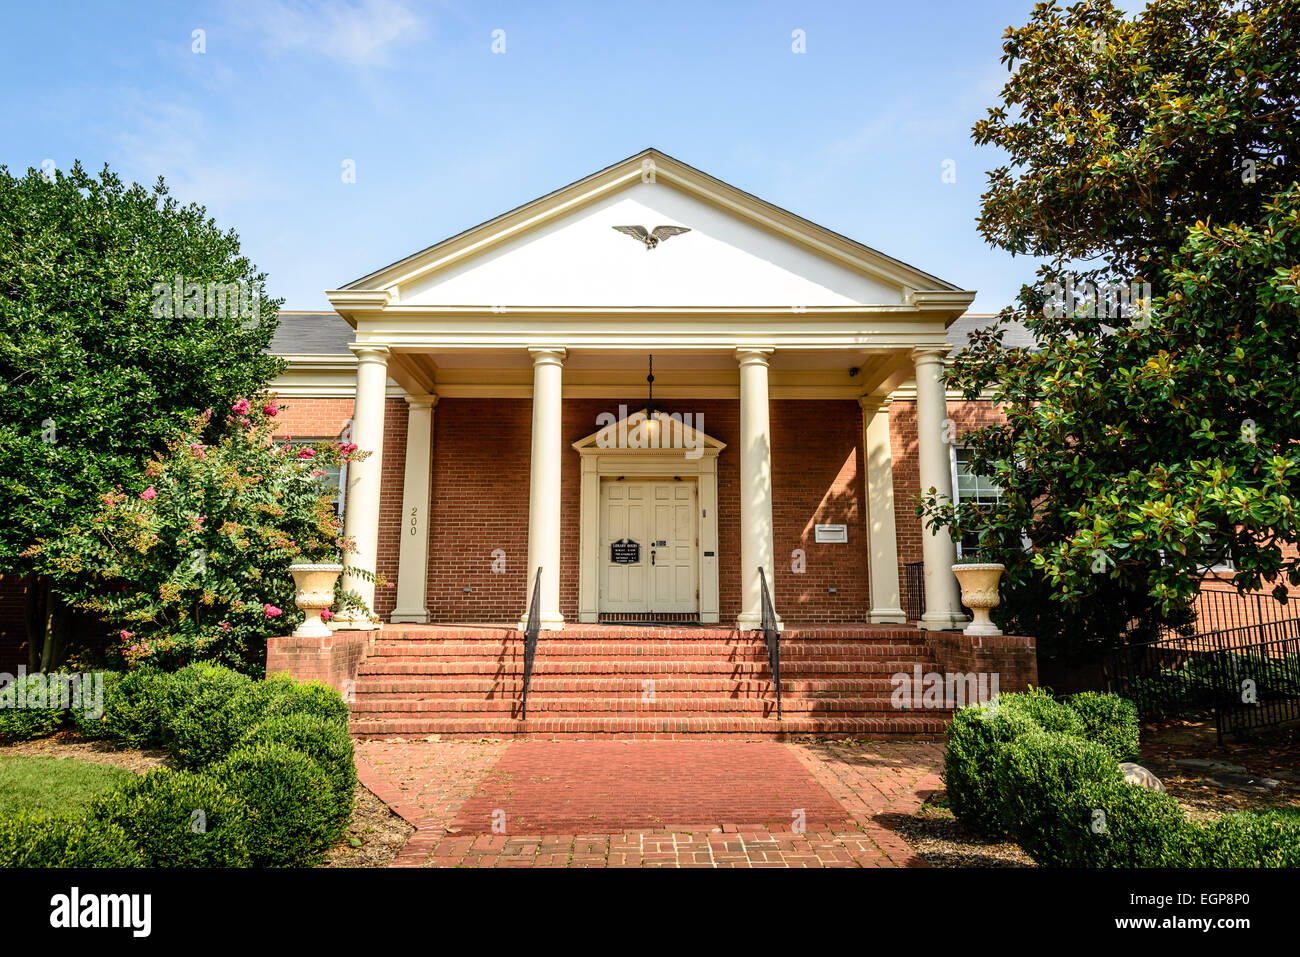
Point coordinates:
[(445, 133)]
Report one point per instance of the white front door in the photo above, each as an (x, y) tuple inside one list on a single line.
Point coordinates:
[(660, 518)]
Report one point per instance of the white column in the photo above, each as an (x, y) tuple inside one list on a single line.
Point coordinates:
[(544, 485), (413, 558), (361, 517), (756, 547), (882, 539), (938, 551)]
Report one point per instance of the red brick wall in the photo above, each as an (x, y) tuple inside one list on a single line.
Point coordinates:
[(480, 490), (480, 503), (313, 418)]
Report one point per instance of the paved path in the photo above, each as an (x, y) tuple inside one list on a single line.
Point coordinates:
[(650, 803)]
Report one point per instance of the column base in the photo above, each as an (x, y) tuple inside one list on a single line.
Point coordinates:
[(748, 622), (547, 623), (416, 617), (887, 616), (942, 621)]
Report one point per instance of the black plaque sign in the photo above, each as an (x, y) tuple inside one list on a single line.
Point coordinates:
[(625, 552)]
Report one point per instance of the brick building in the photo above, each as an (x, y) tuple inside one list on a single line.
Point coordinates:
[(786, 364)]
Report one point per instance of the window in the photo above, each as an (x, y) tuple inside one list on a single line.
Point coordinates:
[(335, 475), (971, 486)]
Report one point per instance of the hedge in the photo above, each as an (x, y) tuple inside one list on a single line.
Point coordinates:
[(1046, 773), (264, 775)]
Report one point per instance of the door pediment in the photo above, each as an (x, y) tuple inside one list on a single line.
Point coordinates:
[(670, 434)]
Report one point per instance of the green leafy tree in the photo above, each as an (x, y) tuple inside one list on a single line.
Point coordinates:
[(1144, 441), (122, 315), (193, 563)]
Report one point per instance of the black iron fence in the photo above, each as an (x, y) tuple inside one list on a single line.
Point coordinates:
[(1249, 676), (1221, 609)]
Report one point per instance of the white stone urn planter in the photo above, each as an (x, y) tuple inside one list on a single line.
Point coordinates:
[(979, 593), (315, 584)]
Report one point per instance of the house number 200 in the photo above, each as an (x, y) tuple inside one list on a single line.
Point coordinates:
[(415, 520)]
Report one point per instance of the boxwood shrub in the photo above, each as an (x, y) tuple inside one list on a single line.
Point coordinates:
[(1249, 839), (41, 840), (975, 738), (218, 710), (320, 740), (268, 764), (180, 819), (138, 709), (292, 814), (1051, 781), (24, 724), (1109, 720)]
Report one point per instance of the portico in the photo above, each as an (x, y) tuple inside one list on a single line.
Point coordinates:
[(762, 320)]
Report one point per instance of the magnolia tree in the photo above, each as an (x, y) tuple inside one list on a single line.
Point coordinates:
[(122, 315), (192, 562), (1148, 437)]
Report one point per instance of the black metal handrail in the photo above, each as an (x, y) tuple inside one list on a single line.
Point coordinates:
[(772, 636), (531, 630)]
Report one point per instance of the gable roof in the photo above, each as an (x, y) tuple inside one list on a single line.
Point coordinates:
[(661, 167)]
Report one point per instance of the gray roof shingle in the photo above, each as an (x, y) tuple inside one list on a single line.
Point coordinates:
[(312, 334)]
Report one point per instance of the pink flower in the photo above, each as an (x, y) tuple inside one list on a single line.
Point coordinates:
[(271, 410), (225, 626), (199, 449), (149, 493), (271, 611), (126, 635), (240, 407), (306, 453), (326, 615), (347, 448)]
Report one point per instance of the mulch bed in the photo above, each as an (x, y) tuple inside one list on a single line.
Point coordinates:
[(1240, 782), (375, 836)]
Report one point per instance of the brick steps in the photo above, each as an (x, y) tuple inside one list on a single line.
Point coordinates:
[(370, 706), (594, 680), (750, 650), (883, 727), (432, 688)]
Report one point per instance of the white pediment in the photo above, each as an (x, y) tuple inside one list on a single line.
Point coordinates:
[(563, 251), (581, 260)]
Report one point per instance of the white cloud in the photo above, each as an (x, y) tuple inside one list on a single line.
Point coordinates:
[(362, 33)]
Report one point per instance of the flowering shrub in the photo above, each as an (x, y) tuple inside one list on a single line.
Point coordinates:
[(195, 566)]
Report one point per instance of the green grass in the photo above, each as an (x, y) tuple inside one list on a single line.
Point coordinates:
[(53, 785)]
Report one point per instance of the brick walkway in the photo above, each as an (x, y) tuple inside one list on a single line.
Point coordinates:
[(650, 803)]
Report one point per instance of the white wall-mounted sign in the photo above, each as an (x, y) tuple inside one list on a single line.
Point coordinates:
[(831, 533)]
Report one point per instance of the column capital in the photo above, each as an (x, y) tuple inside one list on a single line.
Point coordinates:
[(929, 354), (548, 355), (872, 404), (422, 401), (365, 352), (753, 355)]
